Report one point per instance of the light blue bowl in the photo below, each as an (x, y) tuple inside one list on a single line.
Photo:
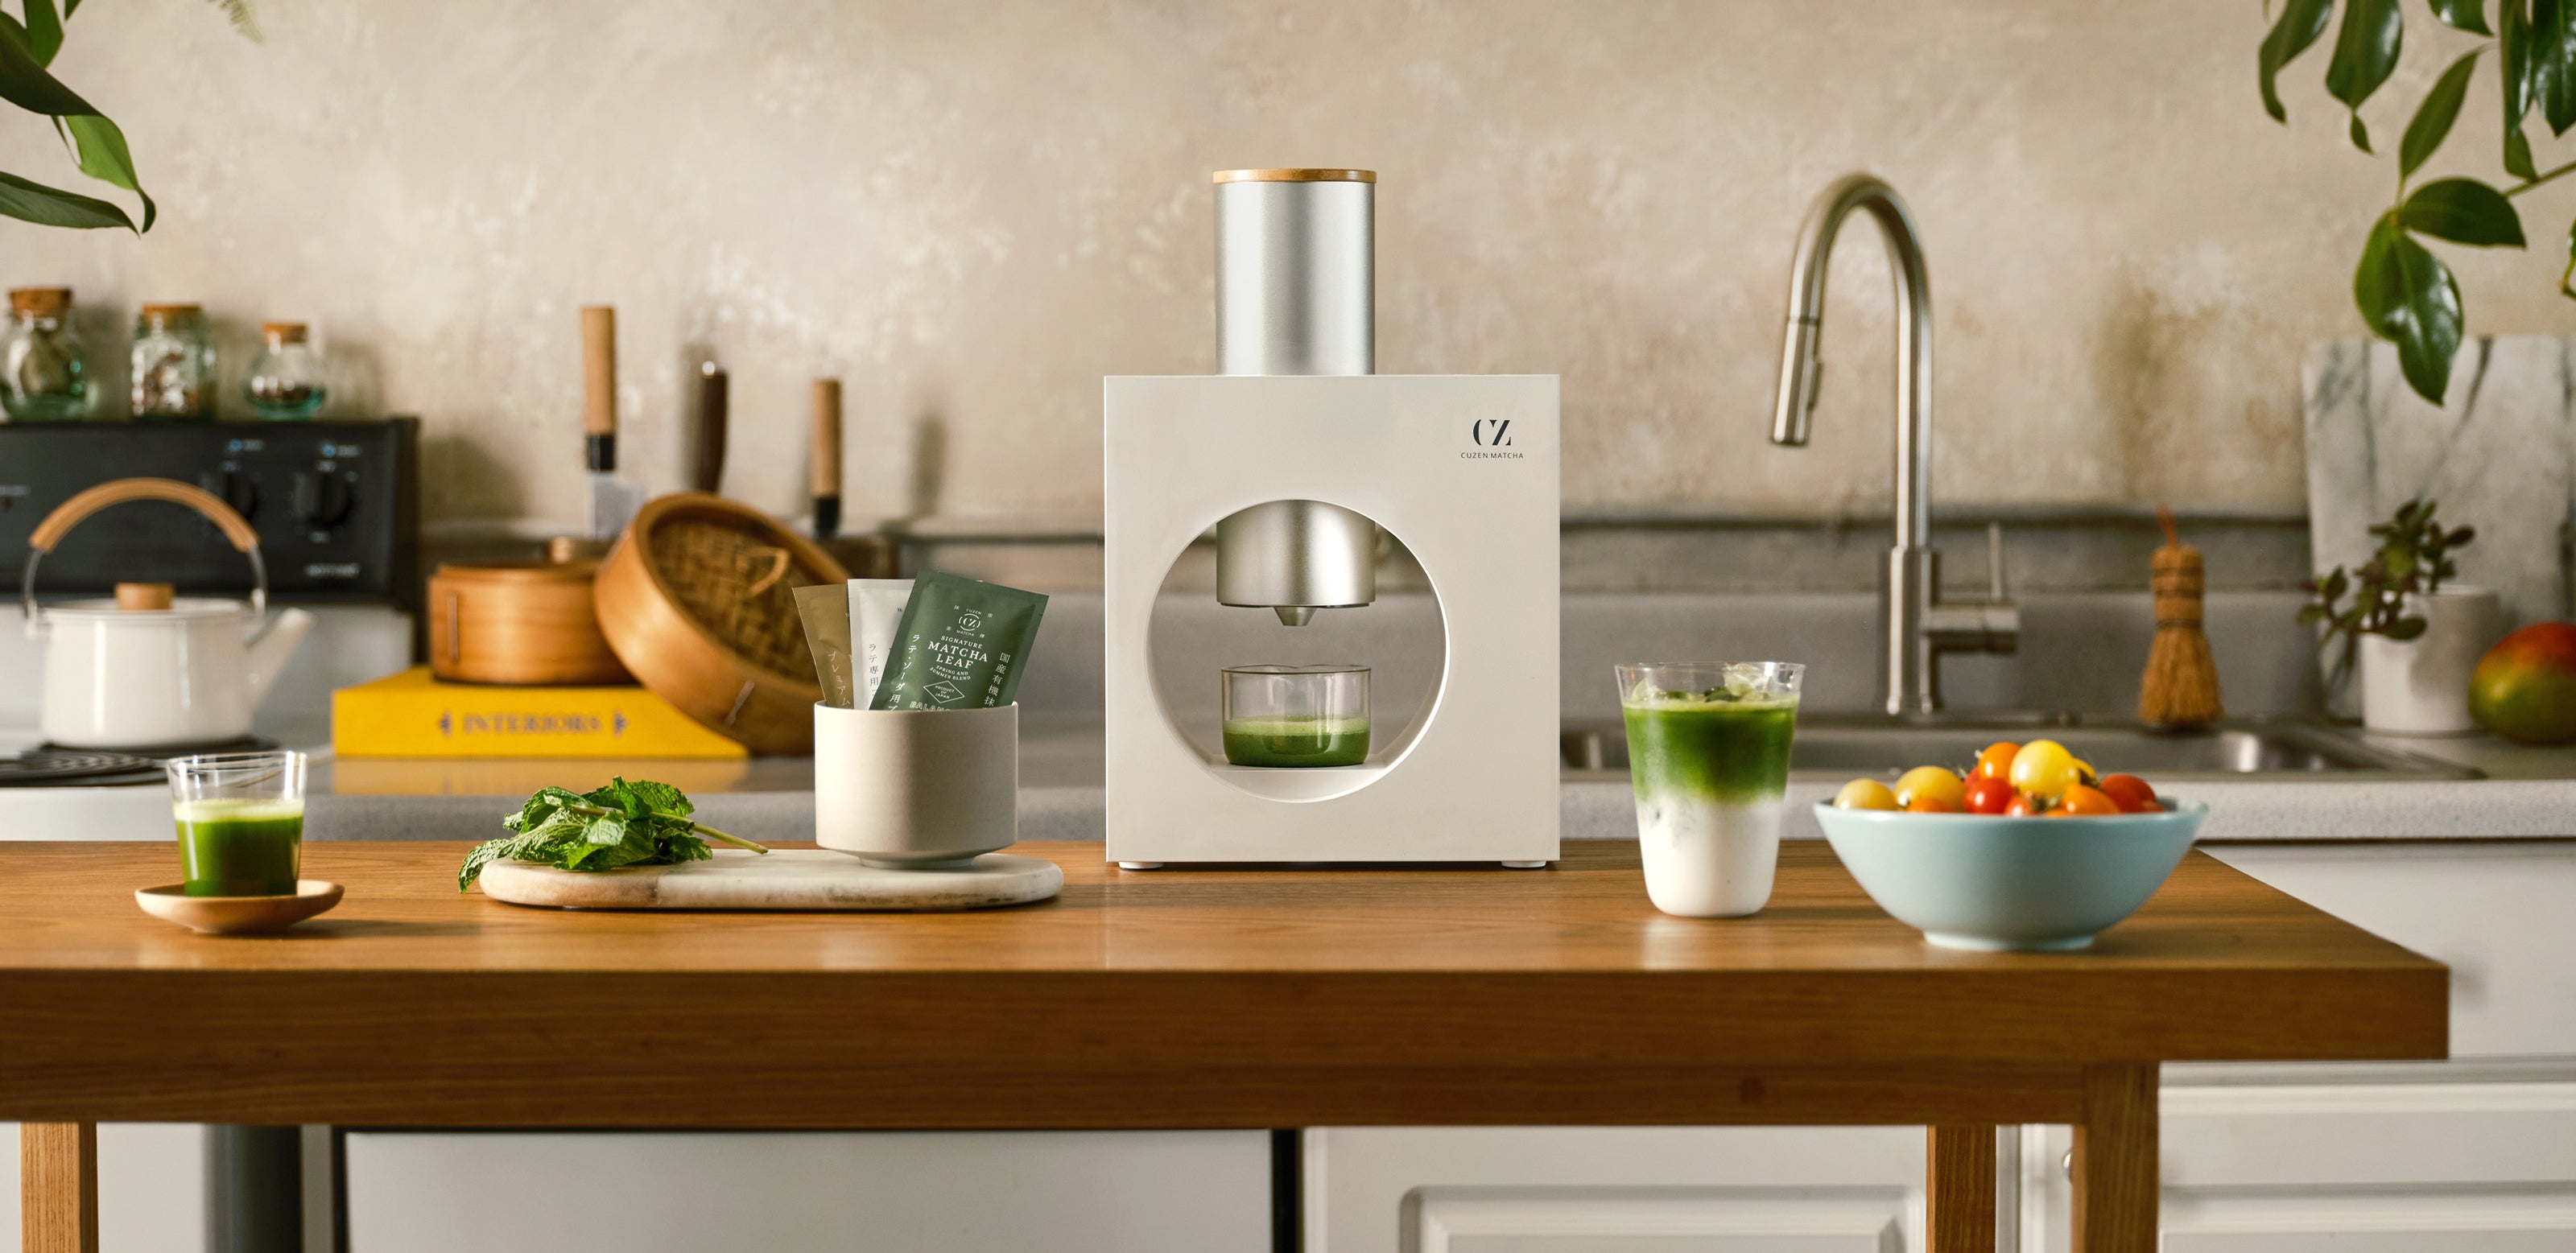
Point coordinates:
[(1991, 883)]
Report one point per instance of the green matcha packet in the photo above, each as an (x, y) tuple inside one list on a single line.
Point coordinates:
[(960, 644)]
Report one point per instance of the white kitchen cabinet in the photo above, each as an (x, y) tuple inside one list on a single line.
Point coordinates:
[(807, 1192), (1613, 1190)]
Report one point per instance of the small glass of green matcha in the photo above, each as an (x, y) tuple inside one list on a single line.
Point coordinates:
[(1297, 716), (1708, 752), (241, 822)]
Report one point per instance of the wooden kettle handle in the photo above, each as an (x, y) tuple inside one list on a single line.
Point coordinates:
[(118, 491)]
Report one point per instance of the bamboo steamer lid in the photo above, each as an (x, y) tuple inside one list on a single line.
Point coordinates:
[(697, 598)]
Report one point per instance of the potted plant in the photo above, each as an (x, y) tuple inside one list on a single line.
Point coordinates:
[(2414, 636)]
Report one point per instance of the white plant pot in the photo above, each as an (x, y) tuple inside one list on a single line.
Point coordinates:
[(2421, 686)]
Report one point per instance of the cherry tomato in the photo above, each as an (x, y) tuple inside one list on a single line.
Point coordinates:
[(1989, 794), (1932, 782), (1996, 762), (2131, 793), (2084, 802), (1865, 794), (2022, 807), (1927, 804), (2044, 769)]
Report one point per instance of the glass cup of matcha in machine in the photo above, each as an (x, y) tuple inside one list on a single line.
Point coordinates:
[(241, 822), (1296, 716), (1708, 753)]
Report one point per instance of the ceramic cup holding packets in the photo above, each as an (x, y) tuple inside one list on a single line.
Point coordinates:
[(927, 774)]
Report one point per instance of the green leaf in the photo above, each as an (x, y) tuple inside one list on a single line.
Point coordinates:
[(2433, 118), (2408, 298), (2365, 53), (2404, 629), (2463, 211), (50, 206), (24, 82), (2513, 58), (2467, 15), (104, 156), (2553, 62), (2301, 22), (661, 797), (44, 31)]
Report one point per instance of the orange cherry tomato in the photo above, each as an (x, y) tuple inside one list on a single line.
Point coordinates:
[(1928, 804), (1996, 762), (2131, 794), (1989, 794), (2022, 808), (2084, 802)]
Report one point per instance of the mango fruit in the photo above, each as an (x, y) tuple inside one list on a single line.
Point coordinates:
[(2524, 689)]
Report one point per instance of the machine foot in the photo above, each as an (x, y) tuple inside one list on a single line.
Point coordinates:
[(1140, 865), (1525, 865)]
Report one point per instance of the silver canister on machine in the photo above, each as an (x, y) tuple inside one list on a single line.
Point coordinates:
[(1296, 294)]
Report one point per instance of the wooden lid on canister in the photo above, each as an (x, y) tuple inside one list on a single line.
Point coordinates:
[(283, 332), (40, 302)]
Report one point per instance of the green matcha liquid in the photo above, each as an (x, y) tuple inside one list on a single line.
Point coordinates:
[(240, 847), (1726, 751), (1296, 741)]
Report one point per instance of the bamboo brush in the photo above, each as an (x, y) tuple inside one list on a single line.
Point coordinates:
[(2181, 686)]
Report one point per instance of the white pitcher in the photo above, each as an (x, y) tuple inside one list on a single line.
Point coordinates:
[(145, 670)]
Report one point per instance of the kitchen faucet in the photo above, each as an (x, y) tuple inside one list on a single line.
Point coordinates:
[(1915, 626)]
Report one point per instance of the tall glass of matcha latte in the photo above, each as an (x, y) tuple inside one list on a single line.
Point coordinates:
[(1708, 751), (241, 822)]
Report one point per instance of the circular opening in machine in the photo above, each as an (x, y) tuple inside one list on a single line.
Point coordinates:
[(1274, 672)]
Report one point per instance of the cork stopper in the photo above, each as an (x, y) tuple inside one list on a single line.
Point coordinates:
[(280, 334), (40, 302), (142, 596)]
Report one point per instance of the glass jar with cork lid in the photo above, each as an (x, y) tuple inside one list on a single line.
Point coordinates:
[(174, 364), (43, 376), (288, 381)]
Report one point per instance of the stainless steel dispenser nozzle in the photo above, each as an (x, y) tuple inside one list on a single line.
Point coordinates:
[(1296, 294)]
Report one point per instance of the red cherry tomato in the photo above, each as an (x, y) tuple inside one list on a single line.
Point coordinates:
[(2084, 802), (2022, 808), (1989, 794), (2131, 794), (1930, 805)]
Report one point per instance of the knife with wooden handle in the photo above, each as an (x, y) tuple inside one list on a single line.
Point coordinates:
[(714, 401), (826, 458), (612, 500)]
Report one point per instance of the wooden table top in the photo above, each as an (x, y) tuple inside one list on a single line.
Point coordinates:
[(1162, 998)]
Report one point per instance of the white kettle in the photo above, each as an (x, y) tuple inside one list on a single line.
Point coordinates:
[(145, 670)]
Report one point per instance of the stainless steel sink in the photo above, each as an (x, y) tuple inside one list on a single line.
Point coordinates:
[(1829, 747)]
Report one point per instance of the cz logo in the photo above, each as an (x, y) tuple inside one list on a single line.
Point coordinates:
[(1499, 435), (970, 620)]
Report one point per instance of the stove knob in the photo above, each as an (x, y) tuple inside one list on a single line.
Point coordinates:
[(237, 489), (321, 499)]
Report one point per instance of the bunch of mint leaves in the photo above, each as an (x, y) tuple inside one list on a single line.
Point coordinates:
[(623, 824)]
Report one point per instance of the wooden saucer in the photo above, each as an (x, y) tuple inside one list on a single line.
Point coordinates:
[(237, 915)]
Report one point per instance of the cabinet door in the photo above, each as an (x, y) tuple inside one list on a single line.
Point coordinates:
[(2349, 1160), (1613, 1190), (809, 1192)]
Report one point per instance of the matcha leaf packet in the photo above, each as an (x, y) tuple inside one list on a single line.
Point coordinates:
[(960, 644)]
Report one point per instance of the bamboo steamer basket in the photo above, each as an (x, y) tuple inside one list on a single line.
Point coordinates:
[(519, 623), (697, 598)]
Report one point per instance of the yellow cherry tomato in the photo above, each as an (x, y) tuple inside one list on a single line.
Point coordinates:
[(1865, 794), (2043, 770), (1996, 762), (1931, 783), (1930, 805)]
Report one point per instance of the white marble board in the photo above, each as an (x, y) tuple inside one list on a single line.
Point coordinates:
[(782, 879)]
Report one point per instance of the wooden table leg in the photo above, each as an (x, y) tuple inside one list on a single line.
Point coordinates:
[(2115, 1164), (58, 1179), (1959, 1189)]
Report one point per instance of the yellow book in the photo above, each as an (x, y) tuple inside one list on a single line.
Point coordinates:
[(413, 715)]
